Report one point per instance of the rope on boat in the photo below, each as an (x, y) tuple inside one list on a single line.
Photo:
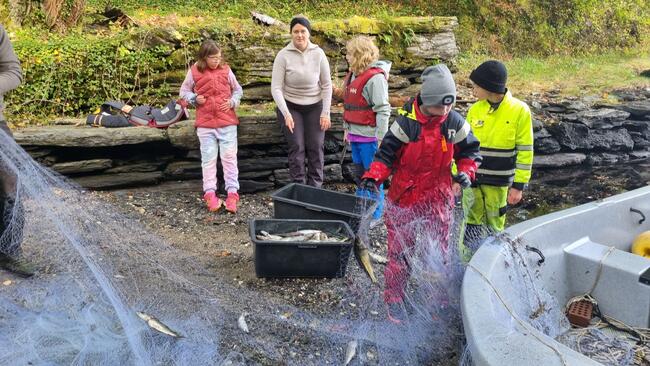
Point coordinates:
[(642, 335), (514, 316)]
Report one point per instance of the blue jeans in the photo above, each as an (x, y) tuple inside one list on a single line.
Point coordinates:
[(363, 153)]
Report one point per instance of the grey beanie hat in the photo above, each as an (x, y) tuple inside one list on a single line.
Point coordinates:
[(438, 86)]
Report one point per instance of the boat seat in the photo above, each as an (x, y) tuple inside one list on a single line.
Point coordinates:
[(623, 288)]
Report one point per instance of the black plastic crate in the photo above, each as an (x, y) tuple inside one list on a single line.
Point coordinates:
[(300, 259), (299, 201)]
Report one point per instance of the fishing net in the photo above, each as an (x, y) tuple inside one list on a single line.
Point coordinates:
[(97, 267), (610, 350), (525, 304)]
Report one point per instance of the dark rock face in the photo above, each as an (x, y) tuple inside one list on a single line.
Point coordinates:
[(637, 109), (581, 136), (611, 140), (547, 145), (600, 159), (572, 136)]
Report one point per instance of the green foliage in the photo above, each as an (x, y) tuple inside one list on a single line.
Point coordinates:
[(75, 73)]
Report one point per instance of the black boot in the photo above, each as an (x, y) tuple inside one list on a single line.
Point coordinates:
[(17, 265)]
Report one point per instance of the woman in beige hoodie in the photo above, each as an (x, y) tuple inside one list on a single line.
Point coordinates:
[(302, 89)]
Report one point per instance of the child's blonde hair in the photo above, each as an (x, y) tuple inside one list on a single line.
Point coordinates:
[(208, 48), (363, 52)]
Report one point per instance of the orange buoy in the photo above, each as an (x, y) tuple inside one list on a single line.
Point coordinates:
[(641, 244)]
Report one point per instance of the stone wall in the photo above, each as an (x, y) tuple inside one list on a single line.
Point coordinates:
[(411, 43), (593, 135), (103, 158), (582, 135)]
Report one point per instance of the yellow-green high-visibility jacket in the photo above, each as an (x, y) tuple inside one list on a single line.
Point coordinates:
[(506, 136)]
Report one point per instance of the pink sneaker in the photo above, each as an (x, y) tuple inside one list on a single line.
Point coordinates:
[(231, 202), (214, 202)]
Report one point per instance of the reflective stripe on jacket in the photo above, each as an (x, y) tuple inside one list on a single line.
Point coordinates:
[(419, 150), (506, 136)]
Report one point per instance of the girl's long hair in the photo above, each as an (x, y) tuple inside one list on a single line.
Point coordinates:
[(208, 48), (364, 53)]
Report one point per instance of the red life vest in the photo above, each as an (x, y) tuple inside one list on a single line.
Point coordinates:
[(214, 85), (422, 170), (356, 108)]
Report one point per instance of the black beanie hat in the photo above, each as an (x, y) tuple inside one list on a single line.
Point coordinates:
[(302, 21), (491, 76)]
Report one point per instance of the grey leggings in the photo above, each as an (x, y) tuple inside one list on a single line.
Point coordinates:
[(306, 141)]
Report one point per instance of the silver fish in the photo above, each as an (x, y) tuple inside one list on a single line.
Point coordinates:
[(377, 258), (350, 351), (241, 322), (300, 236), (157, 325)]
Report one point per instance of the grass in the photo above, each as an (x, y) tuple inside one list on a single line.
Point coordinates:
[(570, 75)]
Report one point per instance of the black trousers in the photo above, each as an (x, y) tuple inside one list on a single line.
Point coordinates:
[(306, 141)]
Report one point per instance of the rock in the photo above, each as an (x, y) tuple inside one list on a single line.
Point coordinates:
[(332, 144), (255, 174), (558, 160), (347, 170), (398, 82), (106, 181), (600, 159), (602, 118), (639, 126), (67, 136), (640, 140), (332, 173), (575, 105), (183, 135), (625, 95), (281, 177), (261, 164), (637, 109), (546, 145), (439, 46), (537, 125), (639, 156), (196, 154), (145, 166), (184, 170), (36, 152), (645, 73), (357, 24), (250, 186), (257, 93), (555, 108), (82, 166), (610, 140), (540, 133), (571, 135)]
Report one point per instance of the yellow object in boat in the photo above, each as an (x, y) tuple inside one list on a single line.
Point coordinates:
[(641, 244)]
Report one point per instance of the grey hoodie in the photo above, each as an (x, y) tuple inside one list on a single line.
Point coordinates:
[(301, 78), (10, 71), (376, 94)]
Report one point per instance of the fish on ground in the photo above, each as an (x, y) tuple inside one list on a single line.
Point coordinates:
[(379, 259), (156, 324), (361, 253), (241, 322), (350, 351)]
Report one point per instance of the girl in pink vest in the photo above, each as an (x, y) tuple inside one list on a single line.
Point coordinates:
[(212, 87)]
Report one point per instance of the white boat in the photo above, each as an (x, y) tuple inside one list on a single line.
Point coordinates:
[(586, 250)]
